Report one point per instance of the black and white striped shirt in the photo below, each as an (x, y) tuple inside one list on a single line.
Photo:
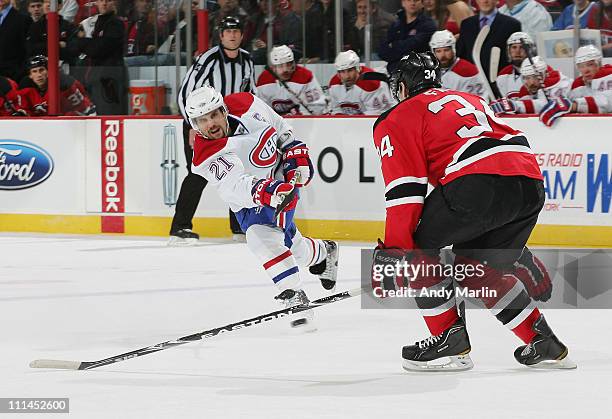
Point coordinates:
[(217, 70)]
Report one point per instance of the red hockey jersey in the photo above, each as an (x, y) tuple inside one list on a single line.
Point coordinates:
[(73, 98), (436, 137)]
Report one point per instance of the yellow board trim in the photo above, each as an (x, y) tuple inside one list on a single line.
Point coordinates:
[(353, 230)]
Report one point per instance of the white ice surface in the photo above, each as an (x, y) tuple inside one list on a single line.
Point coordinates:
[(87, 298)]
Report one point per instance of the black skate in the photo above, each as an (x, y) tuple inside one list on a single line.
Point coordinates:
[(448, 351), (327, 269), (545, 350), (183, 236), (292, 298)]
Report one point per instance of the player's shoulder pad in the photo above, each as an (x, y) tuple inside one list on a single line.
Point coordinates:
[(204, 149), (553, 77), (507, 70), (335, 80), (604, 71), (239, 103), (266, 77), (368, 85), (465, 68), (302, 75), (578, 82), (523, 92), (385, 115)]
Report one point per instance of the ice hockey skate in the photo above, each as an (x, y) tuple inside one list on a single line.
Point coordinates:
[(327, 269), (305, 319), (183, 237), (545, 351), (448, 351)]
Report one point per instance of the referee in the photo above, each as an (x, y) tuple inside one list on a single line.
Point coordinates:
[(229, 69)]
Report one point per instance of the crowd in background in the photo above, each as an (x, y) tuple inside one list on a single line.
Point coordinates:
[(99, 38)]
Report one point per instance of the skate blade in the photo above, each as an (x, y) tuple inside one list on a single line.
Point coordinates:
[(449, 363), (181, 242), (555, 364), (239, 238)]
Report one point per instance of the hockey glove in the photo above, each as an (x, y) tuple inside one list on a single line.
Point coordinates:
[(554, 109), (533, 274), (296, 162), (385, 269), (503, 106), (271, 193)]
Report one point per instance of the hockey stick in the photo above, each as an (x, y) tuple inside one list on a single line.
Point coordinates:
[(284, 84), (493, 70), (541, 77), (482, 35), (375, 75), (207, 334)]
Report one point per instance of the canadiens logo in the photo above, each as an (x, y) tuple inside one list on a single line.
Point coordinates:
[(264, 154), (349, 108)]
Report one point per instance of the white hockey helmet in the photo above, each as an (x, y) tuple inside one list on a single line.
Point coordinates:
[(517, 37), (537, 69), (202, 101), (442, 39), (587, 53), (281, 55), (346, 59)]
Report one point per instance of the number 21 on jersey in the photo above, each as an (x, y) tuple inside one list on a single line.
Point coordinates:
[(385, 149)]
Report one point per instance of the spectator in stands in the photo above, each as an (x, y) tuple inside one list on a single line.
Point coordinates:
[(34, 91), (457, 73), (226, 8), (140, 32), (509, 80), (381, 21), (13, 30), (533, 16), (329, 29), (10, 99), (37, 36), (601, 19), (411, 32), (566, 19), (592, 90), (502, 27), (286, 30), (311, 12), (533, 97), (448, 14), (350, 94), (101, 39), (68, 9), (289, 88), (35, 8)]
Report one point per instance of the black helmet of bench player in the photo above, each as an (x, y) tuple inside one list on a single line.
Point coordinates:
[(417, 71), (37, 61)]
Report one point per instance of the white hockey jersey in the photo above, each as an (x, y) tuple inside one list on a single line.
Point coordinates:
[(366, 97), (595, 97), (555, 85), (302, 94), (509, 81), (234, 164), (462, 76)]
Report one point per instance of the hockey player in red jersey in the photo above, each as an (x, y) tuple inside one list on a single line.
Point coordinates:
[(10, 100), (34, 90), (487, 195)]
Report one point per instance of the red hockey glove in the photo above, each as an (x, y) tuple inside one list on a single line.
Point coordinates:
[(271, 193), (503, 106), (384, 269), (555, 108), (296, 161), (533, 274)]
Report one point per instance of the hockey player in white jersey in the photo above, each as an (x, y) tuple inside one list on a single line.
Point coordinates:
[(536, 97), (251, 157), (592, 91), (352, 95), (457, 73), (509, 80), (289, 88)]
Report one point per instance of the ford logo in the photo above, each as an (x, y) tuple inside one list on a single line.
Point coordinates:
[(23, 165)]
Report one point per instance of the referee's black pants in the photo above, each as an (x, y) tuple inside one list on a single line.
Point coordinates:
[(191, 192), (484, 217)]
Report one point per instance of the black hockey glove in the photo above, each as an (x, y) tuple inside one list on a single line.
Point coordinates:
[(385, 266)]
